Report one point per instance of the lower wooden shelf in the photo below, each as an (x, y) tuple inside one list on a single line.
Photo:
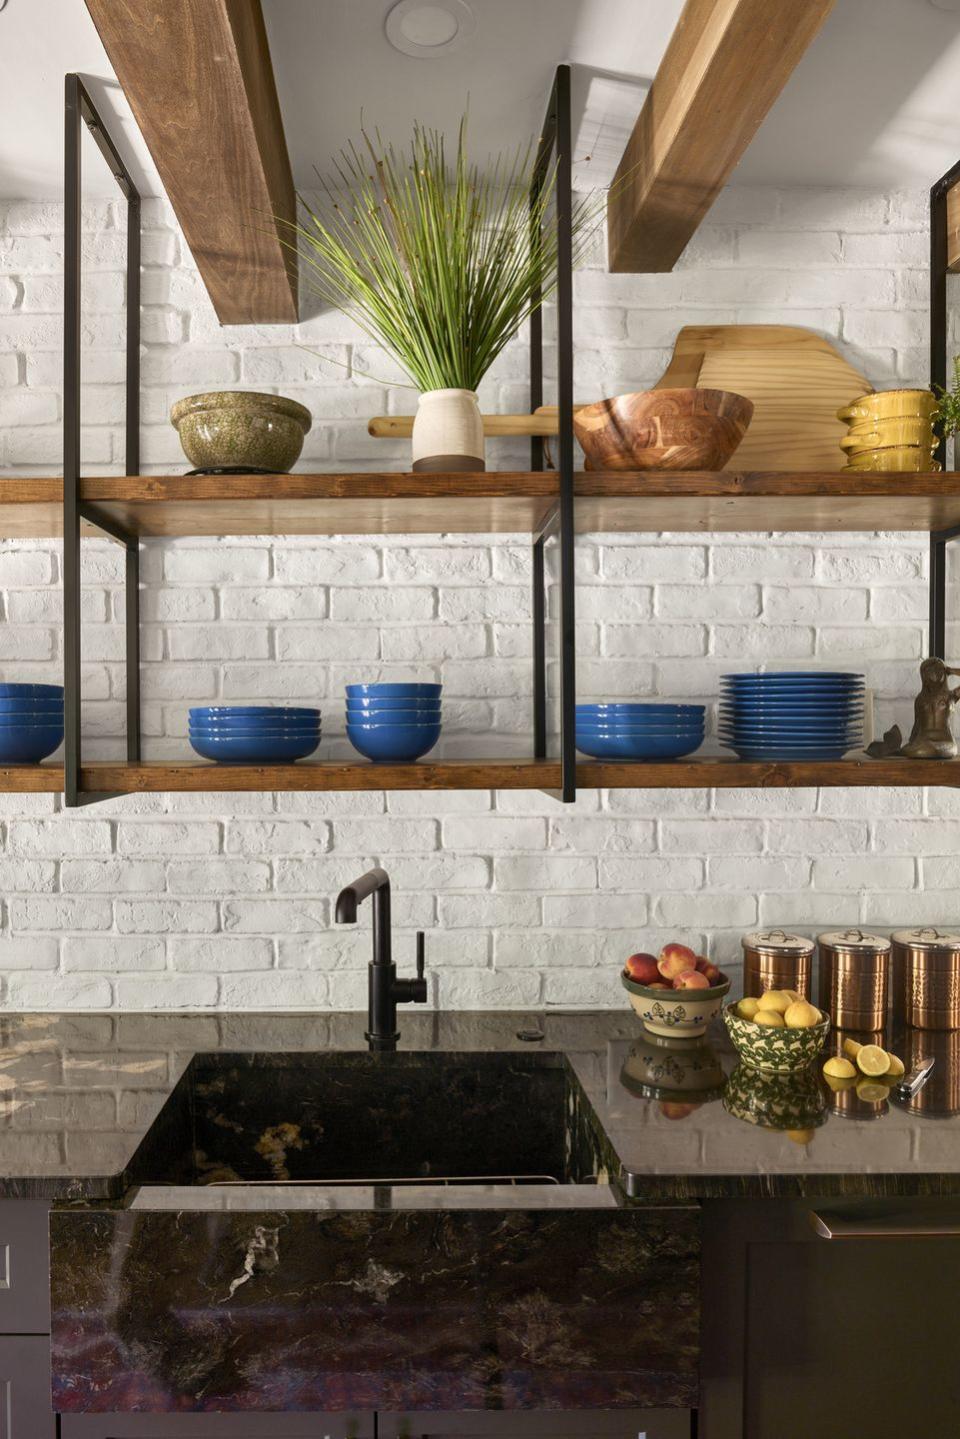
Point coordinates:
[(707, 773)]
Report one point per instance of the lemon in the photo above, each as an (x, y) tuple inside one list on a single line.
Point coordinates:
[(801, 1015), (872, 1091), (747, 1008), (896, 1070), (872, 1060), (771, 1017), (851, 1048), (838, 1085), (799, 1136), (774, 999), (793, 996), (836, 1067)]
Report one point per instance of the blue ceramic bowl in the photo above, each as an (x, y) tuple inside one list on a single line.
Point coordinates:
[(33, 692), (394, 692), (31, 706), (255, 749), (284, 732), (25, 745), (393, 742), (252, 714), (637, 747), (402, 707), (654, 711), (640, 726)]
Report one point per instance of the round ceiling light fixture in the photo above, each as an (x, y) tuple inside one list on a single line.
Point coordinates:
[(427, 29)]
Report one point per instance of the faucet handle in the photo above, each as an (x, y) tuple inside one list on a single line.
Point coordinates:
[(421, 959)]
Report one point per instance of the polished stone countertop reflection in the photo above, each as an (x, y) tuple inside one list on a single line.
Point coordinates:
[(79, 1092)]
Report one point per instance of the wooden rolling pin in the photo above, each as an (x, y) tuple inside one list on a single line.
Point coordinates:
[(542, 422)]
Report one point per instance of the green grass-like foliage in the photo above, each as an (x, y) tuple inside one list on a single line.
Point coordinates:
[(947, 420), (440, 263)]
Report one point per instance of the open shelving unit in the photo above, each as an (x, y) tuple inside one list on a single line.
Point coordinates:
[(547, 505)]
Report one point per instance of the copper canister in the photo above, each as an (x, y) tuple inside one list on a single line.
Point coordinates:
[(926, 970), (773, 959), (854, 978)]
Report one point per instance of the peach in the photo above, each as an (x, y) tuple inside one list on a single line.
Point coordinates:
[(642, 968), (659, 984), (674, 1109), (691, 979), (710, 970), (674, 959)]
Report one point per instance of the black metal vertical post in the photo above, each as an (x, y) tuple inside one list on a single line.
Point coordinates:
[(564, 203), (539, 652), (938, 378), (79, 110), (71, 439), (937, 638)]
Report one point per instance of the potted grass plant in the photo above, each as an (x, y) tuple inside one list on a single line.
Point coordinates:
[(441, 263)]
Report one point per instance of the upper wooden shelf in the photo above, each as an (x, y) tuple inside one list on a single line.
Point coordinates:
[(498, 502)]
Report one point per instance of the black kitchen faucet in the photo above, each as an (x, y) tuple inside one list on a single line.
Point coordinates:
[(386, 991)]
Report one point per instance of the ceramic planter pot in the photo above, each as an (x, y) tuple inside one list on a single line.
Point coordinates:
[(448, 432), (237, 429)]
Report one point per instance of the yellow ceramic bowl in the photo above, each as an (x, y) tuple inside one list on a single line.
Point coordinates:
[(889, 405), (883, 434), (899, 459)]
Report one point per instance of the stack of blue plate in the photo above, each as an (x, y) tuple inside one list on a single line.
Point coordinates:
[(792, 714), (393, 722), (31, 722), (254, 734), (639, 731)]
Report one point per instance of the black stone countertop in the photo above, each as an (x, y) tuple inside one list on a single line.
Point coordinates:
[(78, 1093)]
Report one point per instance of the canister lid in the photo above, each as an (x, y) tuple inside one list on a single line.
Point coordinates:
[(856, 940), (777, 941), (928, 937)]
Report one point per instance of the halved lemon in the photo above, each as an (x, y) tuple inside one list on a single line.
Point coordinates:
[(872, 1091), (872, 1060), (897, 1069), (851, 1048)]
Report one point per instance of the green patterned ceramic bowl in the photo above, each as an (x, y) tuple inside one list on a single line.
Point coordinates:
[(779, 1050), (675, 1012), (776, 1101), (231, 429)]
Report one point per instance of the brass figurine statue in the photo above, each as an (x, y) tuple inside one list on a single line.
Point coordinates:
[(931, 736)]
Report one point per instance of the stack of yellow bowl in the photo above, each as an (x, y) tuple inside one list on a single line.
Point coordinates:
[(890, 430)]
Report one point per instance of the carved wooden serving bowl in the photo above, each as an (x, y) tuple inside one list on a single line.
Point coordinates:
[(663, 430)]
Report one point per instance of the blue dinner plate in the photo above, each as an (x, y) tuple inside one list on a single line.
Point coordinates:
[(794, 677), (12, 691), (786, 752), (253, 714)]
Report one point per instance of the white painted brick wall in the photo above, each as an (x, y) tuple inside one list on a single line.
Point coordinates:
[(179, 901)]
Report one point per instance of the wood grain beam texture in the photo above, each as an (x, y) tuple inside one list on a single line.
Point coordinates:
[(198, 77), (726, 63), (953, 229)]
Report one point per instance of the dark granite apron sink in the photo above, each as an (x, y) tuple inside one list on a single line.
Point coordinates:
[(354, 1232)]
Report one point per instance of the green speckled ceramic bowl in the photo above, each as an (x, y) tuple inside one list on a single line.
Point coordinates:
[(776, 1101), (229, 429), (675, 1012), (781, 1051)]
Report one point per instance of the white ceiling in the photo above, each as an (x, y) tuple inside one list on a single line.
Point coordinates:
[(874, 101)]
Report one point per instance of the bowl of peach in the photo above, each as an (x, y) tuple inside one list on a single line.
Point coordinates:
[(778, 1030), (675, 993)]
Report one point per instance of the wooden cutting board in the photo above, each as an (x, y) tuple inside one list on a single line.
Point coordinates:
[(796, 379)]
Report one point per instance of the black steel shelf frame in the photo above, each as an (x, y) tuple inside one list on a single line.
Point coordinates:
[(939, 539), (556, 140), (80, 111)]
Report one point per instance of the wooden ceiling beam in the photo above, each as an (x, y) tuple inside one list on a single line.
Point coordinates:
[(198, 77), (953, 229), (726, 63)]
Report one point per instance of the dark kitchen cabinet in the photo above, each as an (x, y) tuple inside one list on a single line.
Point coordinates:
[(584, 1424), (809, 1335), (216, 1426), (25, 1411)]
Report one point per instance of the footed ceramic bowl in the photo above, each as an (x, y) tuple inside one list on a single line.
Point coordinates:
[(780, 1051), (676, 1070), (675, 1012)]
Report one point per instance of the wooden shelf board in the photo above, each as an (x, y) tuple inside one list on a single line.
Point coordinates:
[(498, 502), (202, 776), (31, 778), (162, 776)]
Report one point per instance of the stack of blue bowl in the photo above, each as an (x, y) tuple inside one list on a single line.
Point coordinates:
[(254, 734), (792, 715), (31, 722), (393, 721), (639, 731)]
